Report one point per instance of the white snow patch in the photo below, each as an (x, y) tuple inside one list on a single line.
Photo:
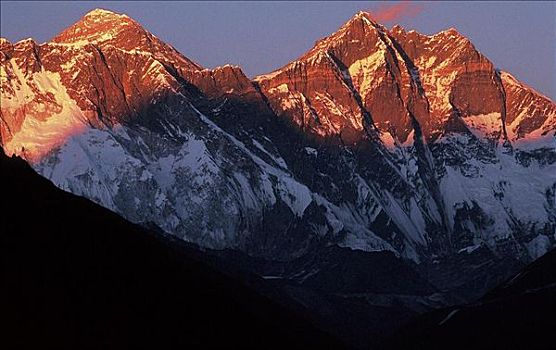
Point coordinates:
[(484, 125), (363, 72), (283, 88), (311, 151), (42, 131), (538, 246)]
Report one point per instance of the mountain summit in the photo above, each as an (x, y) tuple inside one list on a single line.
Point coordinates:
[(99, 26)]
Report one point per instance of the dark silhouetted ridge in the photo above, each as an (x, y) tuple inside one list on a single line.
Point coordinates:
[(518, 314), (76, 275)]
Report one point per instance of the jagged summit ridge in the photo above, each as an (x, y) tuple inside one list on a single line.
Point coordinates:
[(394, 78), (105, 69)]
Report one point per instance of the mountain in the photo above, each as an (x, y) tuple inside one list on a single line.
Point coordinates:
[(403, 81), (518, 314), (90, 280), (375, 140)]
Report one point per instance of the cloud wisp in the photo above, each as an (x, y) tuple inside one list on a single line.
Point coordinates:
[(396, 12)]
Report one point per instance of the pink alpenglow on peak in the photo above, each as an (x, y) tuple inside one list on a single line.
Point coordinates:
[(104, 70)]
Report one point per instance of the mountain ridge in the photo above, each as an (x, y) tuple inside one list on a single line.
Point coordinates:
[(113, 284), (378, 140)]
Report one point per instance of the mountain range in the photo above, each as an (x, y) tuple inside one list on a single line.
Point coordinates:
[(69, 285), (379, 157)]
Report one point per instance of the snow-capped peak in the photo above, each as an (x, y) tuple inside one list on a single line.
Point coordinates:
[(99, 26), (98, 12), (101, 17), (360, 17), (362, 14), (366, 17)]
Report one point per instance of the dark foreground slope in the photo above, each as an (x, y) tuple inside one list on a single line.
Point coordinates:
[(75, 275), (519, 314)]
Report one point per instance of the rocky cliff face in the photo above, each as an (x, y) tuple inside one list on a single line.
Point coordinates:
[(107, 70), (455, 126), (375, 140)]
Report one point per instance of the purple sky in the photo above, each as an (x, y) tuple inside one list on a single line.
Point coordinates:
[(519, 37)]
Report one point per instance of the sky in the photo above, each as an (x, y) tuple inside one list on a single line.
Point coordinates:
[(518, 37)]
